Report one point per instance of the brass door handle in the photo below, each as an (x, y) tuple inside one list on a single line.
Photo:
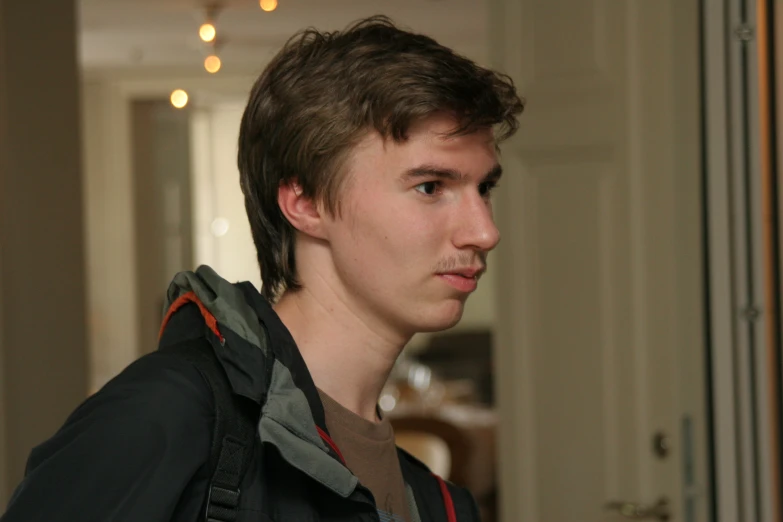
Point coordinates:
[(658, 511)]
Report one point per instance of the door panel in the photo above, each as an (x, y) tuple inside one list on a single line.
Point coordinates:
[(599, 334)]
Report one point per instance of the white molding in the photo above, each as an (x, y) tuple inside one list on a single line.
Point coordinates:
[(512, 353), (722, 316), (518, 495), (640, 292)]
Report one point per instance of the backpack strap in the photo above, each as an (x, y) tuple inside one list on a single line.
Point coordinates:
[(233, 436)]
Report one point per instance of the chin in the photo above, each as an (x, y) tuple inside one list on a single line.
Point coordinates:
[(439, 320)]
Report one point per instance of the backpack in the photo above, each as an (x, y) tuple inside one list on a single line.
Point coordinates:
[(233, 434)]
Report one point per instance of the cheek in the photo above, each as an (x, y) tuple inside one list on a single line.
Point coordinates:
[(405, 240), (392, 233)]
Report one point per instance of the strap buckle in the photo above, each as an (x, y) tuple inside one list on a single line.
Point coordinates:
[(222, 504)]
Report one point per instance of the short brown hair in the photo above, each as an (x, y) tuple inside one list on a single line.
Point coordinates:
[(322, 93)]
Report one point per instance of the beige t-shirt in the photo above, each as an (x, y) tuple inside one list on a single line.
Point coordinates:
[(369, 452)]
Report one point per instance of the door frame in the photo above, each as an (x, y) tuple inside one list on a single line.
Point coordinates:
[(740, 316)]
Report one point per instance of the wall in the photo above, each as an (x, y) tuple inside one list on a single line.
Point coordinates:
[(110, 237), (42, 303)]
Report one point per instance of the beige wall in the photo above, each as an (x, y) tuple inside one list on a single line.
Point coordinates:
[(111, 242), (43, 374)]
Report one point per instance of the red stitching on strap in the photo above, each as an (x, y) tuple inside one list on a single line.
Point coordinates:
[(190, 297), (451, 515), (331, 443)]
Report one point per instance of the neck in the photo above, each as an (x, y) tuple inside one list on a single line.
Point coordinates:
[(348, 357)]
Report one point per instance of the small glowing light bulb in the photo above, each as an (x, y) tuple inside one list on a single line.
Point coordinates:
[(268, 5), (179, 98), (212, 64), (207, 32)]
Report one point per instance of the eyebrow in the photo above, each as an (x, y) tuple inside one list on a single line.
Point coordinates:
[(423, 171)]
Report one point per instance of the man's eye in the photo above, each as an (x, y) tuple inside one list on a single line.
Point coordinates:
[(430, 188), (485, 189)]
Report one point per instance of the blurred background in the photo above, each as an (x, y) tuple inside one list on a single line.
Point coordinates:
[(622, 356)]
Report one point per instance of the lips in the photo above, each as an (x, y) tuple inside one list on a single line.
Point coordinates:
[(466, 281), (468, 272)]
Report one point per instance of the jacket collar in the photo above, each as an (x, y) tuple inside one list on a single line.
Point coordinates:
[(262, 363)]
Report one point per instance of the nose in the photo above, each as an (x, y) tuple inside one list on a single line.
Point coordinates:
[(475, 228)]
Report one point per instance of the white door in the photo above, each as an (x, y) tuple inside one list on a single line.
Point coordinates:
[(600, 352)]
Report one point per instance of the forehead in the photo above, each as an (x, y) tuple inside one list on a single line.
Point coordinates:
[(428, 142)]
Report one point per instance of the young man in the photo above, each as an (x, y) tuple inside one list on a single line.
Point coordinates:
[(367, 159)]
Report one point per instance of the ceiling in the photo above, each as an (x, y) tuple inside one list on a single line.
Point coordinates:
[(162, 35)]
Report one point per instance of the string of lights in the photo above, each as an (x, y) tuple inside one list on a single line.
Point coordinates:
[(208, 33)]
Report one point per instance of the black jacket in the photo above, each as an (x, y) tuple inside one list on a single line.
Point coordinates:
[(138, 450)]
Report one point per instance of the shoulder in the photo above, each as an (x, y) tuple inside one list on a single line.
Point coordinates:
[(157, 384), (156, 401), (140, 442)]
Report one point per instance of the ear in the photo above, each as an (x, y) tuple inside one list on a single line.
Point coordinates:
[(301, 211)]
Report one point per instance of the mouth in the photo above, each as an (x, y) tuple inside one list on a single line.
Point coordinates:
[(464, 280), (469, 273)]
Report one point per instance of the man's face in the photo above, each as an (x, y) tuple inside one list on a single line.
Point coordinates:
[(415, 226)]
